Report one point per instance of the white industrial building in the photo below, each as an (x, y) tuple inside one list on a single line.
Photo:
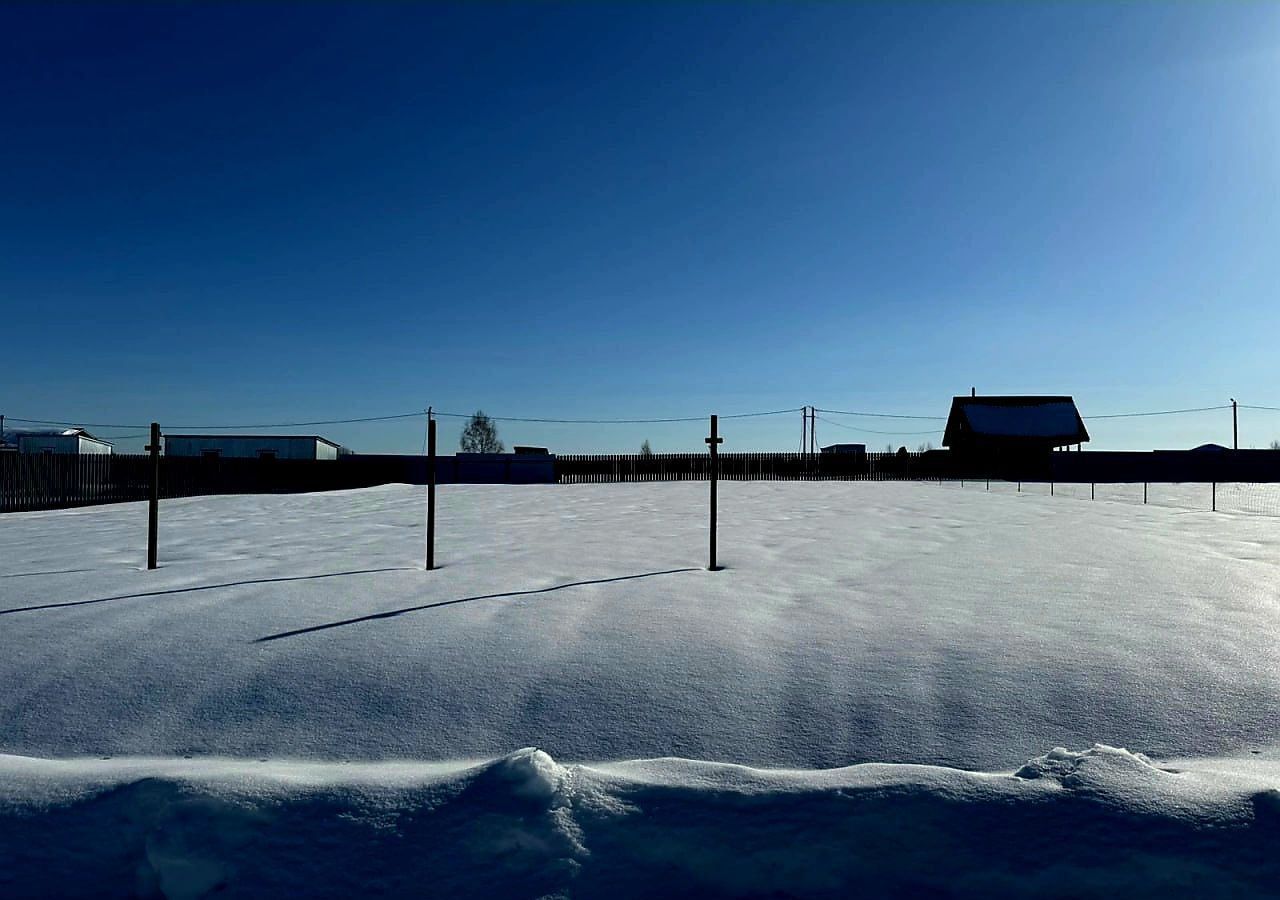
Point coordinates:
[(252, 446), (61, 441)]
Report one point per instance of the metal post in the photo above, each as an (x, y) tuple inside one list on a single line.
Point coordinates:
[(713, 442), (431, 493), (1235, 426), (1050, 488), (1215, 496), (153, 506), (1091, 497), (1144, 493)]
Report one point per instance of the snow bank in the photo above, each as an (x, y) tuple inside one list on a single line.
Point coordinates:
[(1103, 822)]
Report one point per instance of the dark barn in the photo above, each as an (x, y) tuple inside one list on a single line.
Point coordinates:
[(1012, 435)]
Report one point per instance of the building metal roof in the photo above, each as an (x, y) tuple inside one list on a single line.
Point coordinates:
[(1045, 420), (19, 433), (256, 437)]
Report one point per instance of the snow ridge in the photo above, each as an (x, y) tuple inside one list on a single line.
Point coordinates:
[(1099, 822)]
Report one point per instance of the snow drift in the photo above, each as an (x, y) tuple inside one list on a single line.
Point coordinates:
[(1103, 822)]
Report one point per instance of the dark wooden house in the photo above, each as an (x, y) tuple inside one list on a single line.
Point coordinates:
[(1020, 431)]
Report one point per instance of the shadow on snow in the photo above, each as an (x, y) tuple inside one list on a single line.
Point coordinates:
[(400, 612)]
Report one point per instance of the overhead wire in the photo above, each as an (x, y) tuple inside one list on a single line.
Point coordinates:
[(873, 431)]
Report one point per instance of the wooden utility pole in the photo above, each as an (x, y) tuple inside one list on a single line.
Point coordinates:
[(713, 442), (804, 428), (431, 491), (813, 430), (1235, 426), (153, 506)]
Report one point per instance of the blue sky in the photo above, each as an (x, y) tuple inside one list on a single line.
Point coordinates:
[(249, 214)]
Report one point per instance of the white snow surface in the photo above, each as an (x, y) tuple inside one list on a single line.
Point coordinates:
[(291, 705)]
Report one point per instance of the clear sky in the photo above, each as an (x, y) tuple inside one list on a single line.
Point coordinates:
[(248, 214)]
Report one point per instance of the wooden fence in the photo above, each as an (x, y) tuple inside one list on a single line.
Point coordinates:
[(596, 468), (59, 481)]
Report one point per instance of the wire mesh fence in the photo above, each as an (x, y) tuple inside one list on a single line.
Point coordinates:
[(1246, 498)]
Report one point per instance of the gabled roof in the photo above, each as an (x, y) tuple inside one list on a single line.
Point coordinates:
[(255, 437), (19, 433), (1054, 421)]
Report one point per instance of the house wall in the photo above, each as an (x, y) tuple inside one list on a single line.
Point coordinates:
[(233, 447), (54, 443), (89, 445)]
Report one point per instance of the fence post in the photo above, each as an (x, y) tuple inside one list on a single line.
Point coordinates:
[(1091, 485), (713, 443), (153, 506), (431, 493), (1144, 493), (1050, 488), (1215, 496)]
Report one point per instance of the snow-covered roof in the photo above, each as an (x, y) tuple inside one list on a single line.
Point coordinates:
[(15, 433), (1050, 420)]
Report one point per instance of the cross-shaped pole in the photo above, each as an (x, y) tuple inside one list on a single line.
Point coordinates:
[(153, 504), (713, 442)]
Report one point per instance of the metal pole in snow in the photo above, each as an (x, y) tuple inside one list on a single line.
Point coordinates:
[(713, 442), (153, 503), (431, 491)]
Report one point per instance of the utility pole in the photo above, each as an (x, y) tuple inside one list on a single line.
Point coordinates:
[(813, 430), (713, 442), (1235, 426), (804, 427)]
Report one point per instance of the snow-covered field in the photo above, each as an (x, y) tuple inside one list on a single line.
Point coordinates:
[(291, 705)]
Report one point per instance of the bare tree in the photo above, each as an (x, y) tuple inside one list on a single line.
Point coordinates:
[(645, 449), (480, 435), (925, 447), (1275, 445)]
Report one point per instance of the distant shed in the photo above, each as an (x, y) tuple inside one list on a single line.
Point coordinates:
[(60, 442), (251, 446), (1013, 426), (846, 449)]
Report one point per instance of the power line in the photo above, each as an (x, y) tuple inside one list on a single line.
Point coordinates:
[(772, 412), (413, 415), (219, 427), (842, 412), (554, 421), (872, 431), (1162, 412)]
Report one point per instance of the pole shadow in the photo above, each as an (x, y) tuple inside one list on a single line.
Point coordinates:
[(204, 587), (53, 572), (400, 612)]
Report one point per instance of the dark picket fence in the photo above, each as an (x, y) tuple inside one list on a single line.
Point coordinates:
[(613, 467), (58, 481)]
